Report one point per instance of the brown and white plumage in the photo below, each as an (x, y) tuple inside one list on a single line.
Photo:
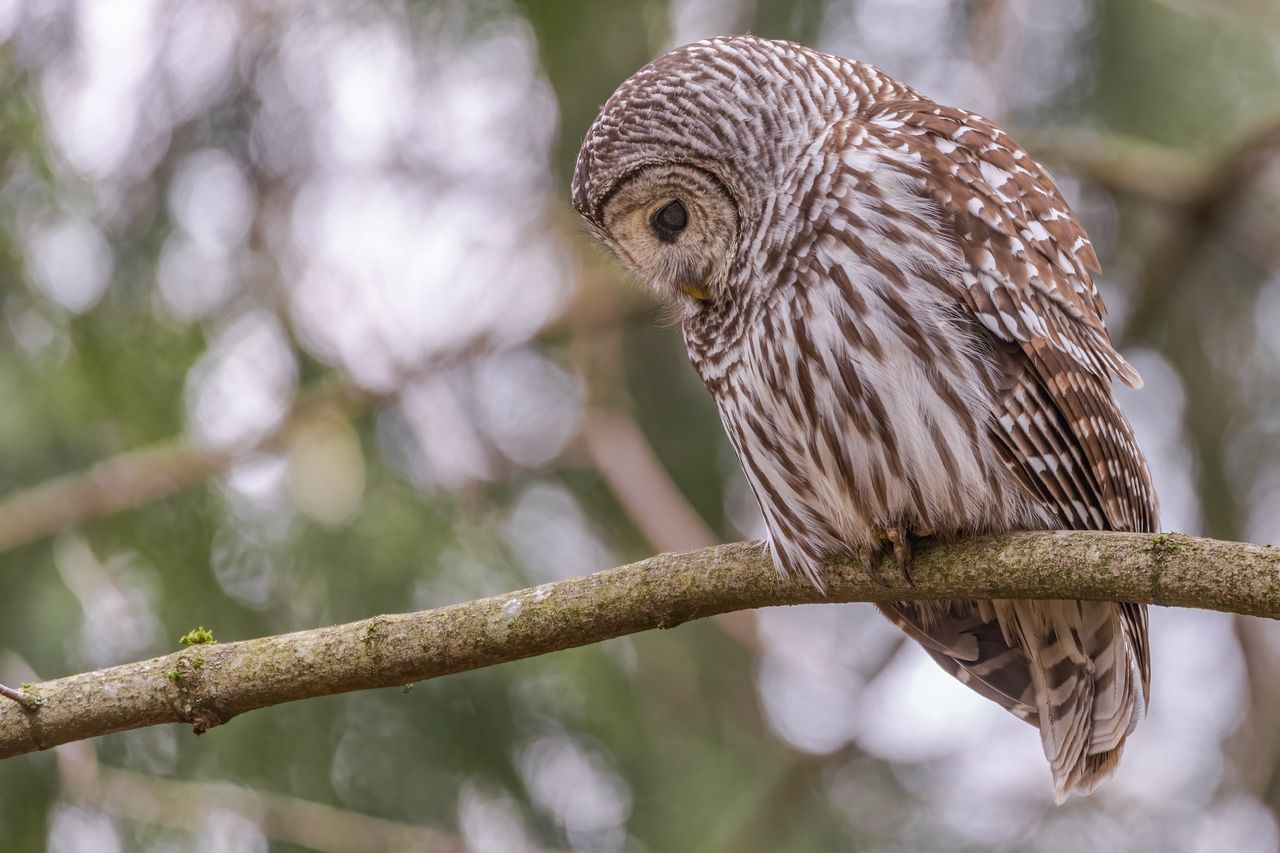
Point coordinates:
[(893, 309)]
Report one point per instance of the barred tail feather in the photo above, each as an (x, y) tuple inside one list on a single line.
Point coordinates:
[(1071, 668), (965, 639), (1089, 691)]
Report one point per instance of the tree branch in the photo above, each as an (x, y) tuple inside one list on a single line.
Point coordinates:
[(207, 685)]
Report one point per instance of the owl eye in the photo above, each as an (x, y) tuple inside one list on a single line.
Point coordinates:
[(670, 221)]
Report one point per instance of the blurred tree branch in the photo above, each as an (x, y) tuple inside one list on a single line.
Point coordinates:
[(628, 464), (189, 806), (1122, 164), (654, 503), (139, 477), (1200, 213), (1196, 197), (207, 685)]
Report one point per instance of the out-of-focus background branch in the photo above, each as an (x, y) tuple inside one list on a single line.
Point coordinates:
[(293, 289)]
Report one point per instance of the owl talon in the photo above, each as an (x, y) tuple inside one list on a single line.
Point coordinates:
[(901, 542), (870, 557), (870, 554)]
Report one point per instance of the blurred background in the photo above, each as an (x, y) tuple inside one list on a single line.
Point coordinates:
[(299, 328)]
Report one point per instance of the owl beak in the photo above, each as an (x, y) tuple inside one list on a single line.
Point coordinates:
[(694, 290)]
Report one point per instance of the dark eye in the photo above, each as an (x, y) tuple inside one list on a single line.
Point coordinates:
[(670, 221)]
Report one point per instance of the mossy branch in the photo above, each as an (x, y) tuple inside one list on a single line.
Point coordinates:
[(207, 684)]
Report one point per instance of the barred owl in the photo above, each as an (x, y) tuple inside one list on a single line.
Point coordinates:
[(891, 304)]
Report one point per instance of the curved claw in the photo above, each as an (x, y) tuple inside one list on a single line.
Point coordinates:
[(899, 538), (901, 542), (869, 556)]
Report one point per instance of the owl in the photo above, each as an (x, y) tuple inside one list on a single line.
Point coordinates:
[(892, 306)]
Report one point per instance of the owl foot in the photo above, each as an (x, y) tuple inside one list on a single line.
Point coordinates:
[(886, 537), (899, 538)]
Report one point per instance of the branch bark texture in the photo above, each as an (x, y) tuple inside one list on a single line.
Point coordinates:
[(207, 685)]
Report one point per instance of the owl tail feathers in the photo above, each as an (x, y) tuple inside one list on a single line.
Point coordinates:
[(1095, 770), (1089, 693), (1070, 668)]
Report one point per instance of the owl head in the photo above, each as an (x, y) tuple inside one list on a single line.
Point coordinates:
[(692, 171), (675, 224)]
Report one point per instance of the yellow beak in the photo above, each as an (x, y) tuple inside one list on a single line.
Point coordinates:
[(694, 290)]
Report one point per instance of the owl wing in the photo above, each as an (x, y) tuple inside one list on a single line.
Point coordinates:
[(1070, 667), (1026, 279)]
